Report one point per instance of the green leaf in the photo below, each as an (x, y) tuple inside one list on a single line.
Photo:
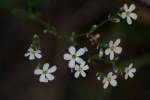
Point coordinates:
[(21, 13)]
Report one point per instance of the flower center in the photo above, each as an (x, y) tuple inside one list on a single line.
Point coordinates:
[(73, 56), (45, 72), (128, 13), (112, 48)]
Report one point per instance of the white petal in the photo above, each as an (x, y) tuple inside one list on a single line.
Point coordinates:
[(110, 74), (72, 63), (79, 60), (38, 55), (72, 50), (38, 51), (80, 52), (38, 71), (132, 7), (125, 7), (105, 84), (111, 55), (129, 21), (77, 67), (126, 76), (42, 78), (131, 75), (107, 51), (52, 69), (83, 73), (86, 67), (77, 73), (123, 15), (133, 15), (45, 66), (114, 77), (26, 54), (133, 70), (67, 57), (117, 42), (50, 77), (111, 43), (118, 50), (113, 82), (131, 65), (30, 50), (31, 57)]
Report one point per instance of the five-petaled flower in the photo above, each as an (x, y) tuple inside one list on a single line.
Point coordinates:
[(109, 79), (74, 56), (45, 73), (113, 48), (128, 13), (33, 54), (80, 70), (129, 71)]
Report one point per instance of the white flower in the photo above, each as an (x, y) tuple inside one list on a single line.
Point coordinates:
[(33, 54), (45, 73), (128, 13), (74, 56), (101, 53), (129, 71), (110, 79), (80, 70), (113, 48)]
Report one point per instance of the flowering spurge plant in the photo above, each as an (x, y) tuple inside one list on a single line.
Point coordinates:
[(109, 79), (128, 14), (80, 70), (129, 71), (113, 48), (45, 73), (74, 57)]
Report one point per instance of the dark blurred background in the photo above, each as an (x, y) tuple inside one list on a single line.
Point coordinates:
[(17, 81)]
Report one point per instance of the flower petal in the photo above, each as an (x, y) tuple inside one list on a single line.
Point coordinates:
[(50, 77), (110, 74), (67, 57), (125, 7), (129, 21), (79, 60), (38, 55), (131, 75), (72, 50), (132, 8), (83, 73), (107, 51), (123, 15), (126, 76), (133, 70), (52, 69), (26, 54), (80, 52), (118, 50), (117, 42), (72, 63), (77, 73), (131, 65), (86, 67), (111, 55), (105, 84), (113, 82), (38, 71), (31, 57), (43, 78), (114, 77), (133, 16), (45, 66), (111, 44)]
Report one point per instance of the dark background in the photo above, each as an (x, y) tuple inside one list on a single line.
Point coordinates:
[(17, 81)]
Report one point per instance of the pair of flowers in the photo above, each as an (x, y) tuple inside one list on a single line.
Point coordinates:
[(111, 78), (76, 62), (45, 72)]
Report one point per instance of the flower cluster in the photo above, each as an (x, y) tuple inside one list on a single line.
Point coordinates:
[(75, 61), (78, 63)]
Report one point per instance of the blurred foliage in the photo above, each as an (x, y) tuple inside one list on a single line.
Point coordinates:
[(6, 4)]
